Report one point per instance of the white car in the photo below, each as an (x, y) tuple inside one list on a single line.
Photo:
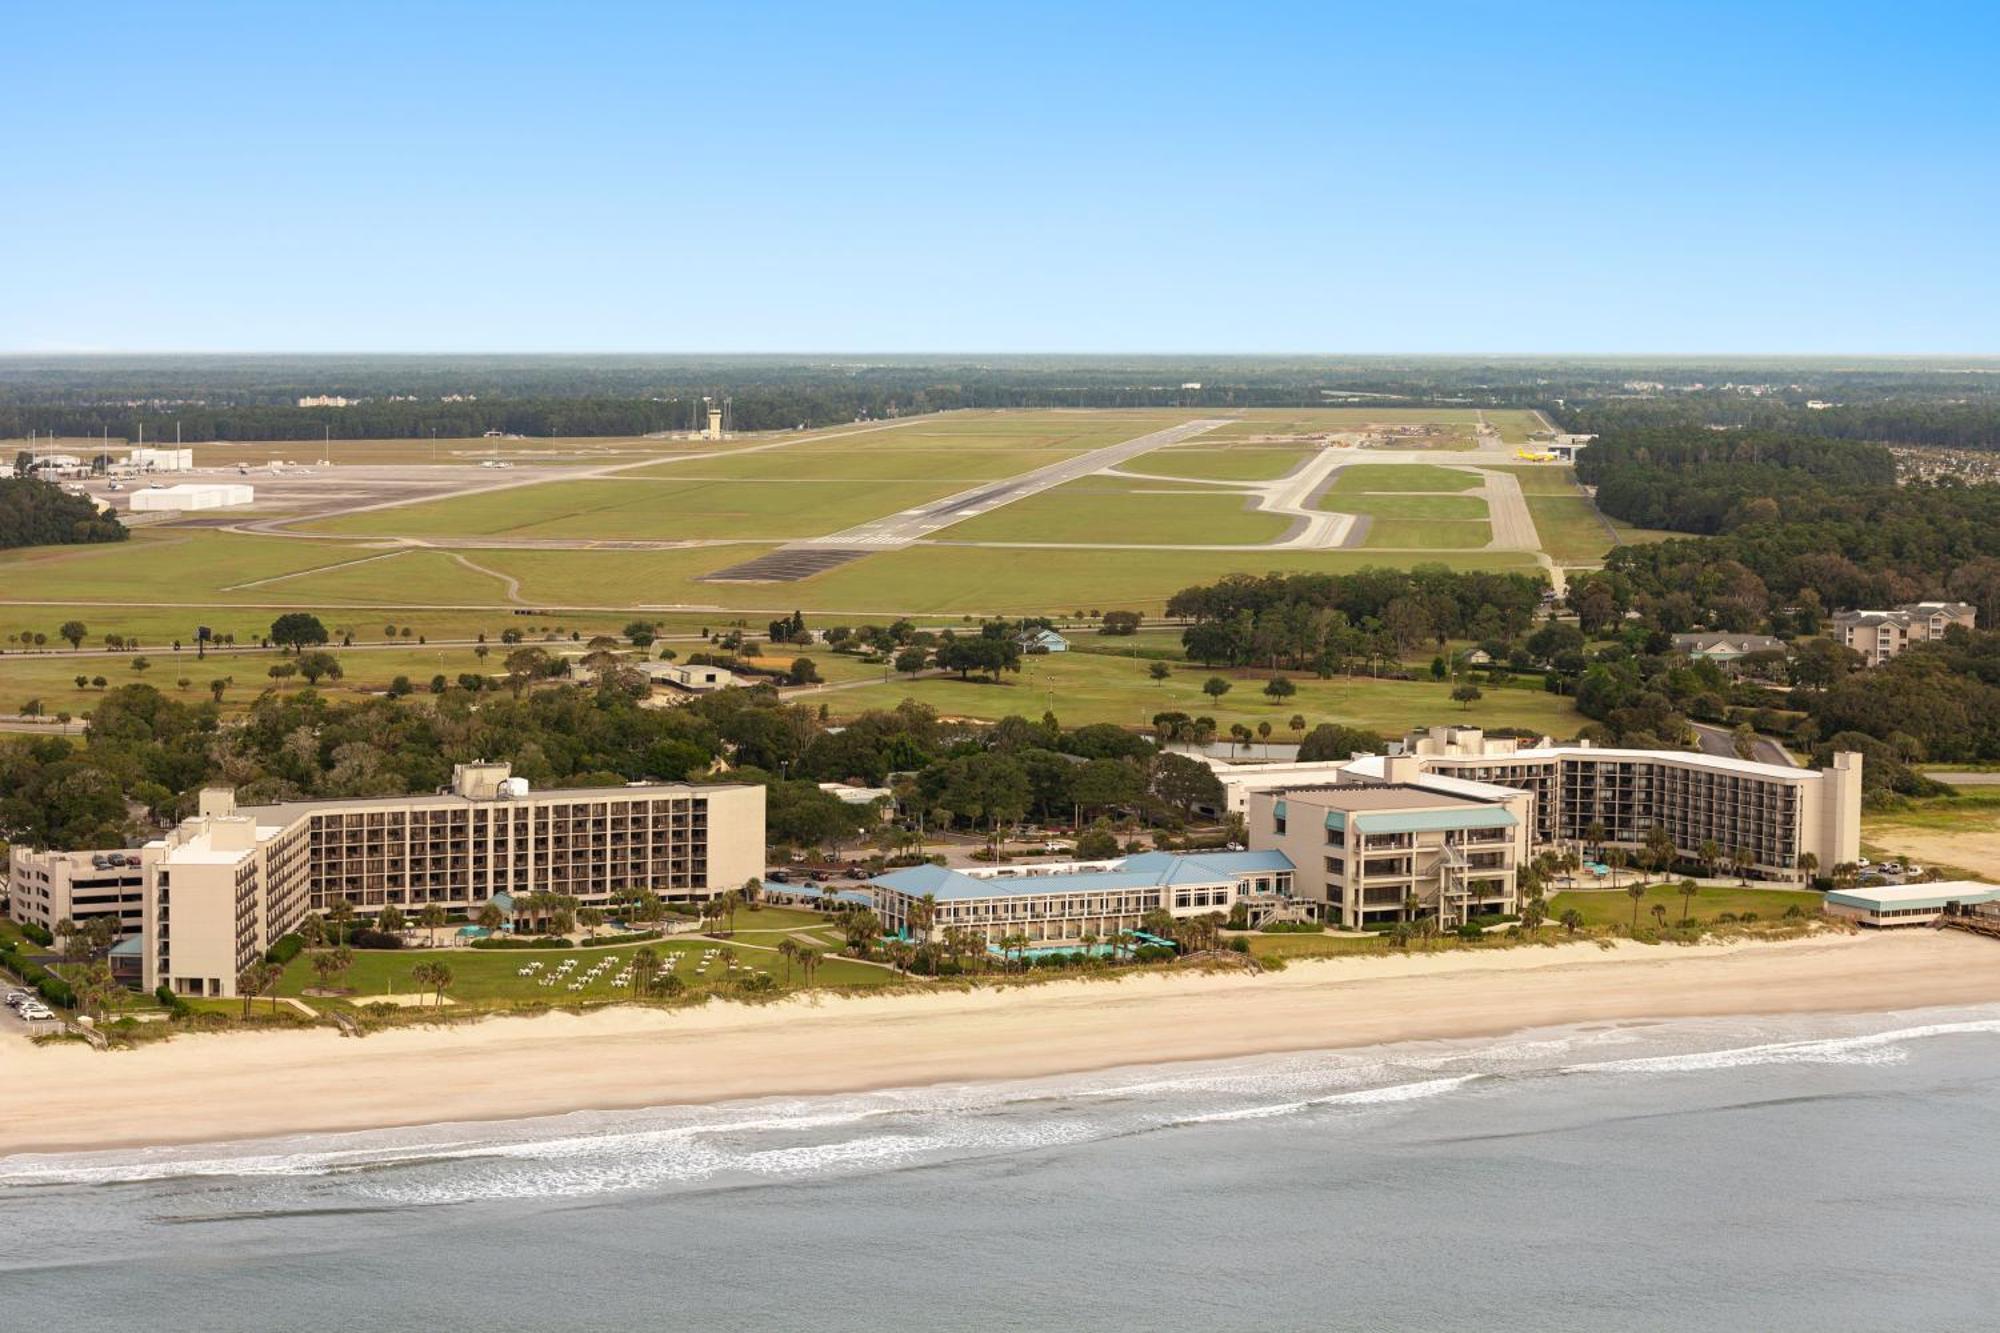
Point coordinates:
[(36, 1013)]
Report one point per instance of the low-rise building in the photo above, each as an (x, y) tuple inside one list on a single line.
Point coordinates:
[(1727, 650), (1041, 641), (1060, 906), (693, 679), (1907, 904), (193, 495), (1880, 635)]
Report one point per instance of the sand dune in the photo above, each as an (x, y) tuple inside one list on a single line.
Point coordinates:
[(231, 1086)]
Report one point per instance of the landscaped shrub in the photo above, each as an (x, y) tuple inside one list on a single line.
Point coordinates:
[(514, 942), (284, 949), (1291, 928), (361, 937), (38, 933), (1470, 931)]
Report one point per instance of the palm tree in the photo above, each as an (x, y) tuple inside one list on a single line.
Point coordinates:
[(1688, 890), (1593, 835), (490, 916), (788, 949), (248, 983), (1572, 920), (923, 915), (340, 915), (1617, 858), (438, 979), (1844, 875), (324, 966), (590, 918), (390, 920), (1710, 854), (1660, 848), (1015, 945), (1637, 893), (430, 917), (1745, 858), (1533, 913), (1808, 866), (645, 966), (65, 932), (1660, 914)]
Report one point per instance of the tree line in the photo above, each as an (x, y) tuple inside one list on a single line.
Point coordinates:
[(38, 513)]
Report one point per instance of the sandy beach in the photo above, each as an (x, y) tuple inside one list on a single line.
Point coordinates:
[(233, 1086)]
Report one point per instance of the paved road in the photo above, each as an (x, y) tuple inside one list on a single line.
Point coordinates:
[(1966, 779), (915, 524), (1721, 741)]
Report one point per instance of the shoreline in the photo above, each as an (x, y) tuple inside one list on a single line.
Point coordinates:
[(228, 1087)]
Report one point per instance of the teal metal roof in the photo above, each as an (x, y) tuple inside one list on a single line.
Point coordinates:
[(1336, 819), (1433, 821)]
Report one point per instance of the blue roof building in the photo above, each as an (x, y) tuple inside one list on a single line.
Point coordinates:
[(1057, 905)]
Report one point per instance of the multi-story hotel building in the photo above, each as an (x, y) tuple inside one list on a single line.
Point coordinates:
[(218, 890), (47, 887), (1371, 852), (1060, 906), (1776, 814), (1880, 635)]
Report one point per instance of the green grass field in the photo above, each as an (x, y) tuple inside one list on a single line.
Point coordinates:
[(1117, 510), (1569, 527), (1456, 508), (669, 508), (1362, 478), (861, 463), (1613, 907), (1242, 463), (1428, 534), (481, 976), (1539, 478), (1092, 687)]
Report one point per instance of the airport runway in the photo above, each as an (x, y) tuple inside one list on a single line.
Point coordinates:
[(915, 524)]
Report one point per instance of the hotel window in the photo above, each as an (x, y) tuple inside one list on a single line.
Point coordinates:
[(1278, 824)]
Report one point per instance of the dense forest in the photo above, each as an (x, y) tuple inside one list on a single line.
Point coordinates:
[(36, 513), (255, 398), (1340, 622), (153, 753)]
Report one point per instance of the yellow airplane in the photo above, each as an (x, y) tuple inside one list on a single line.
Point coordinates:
[(1534, 456)]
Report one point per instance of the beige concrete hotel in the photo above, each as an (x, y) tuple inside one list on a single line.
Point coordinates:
[(1778, 814), (1372, 852), (219, 889)]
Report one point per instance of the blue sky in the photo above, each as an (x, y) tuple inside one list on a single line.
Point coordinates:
[(1118, 178)]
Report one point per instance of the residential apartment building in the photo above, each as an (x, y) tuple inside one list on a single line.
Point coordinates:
[(1880, 635), (1727, 650), (1776, 814), (1059, 906), (223, 886), (1375, 852), (47, 887)]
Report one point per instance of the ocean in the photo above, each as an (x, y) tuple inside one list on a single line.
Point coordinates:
[(1814, 1173)]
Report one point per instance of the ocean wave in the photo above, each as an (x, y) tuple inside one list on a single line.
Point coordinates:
[(591, 1152)]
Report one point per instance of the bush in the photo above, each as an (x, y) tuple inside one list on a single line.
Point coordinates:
[(1153, 953), (284, 950), (38, 933), (1238, 944), (361, 937), (513, 942), (1291, 928), (175, 1006), (1470, 931)]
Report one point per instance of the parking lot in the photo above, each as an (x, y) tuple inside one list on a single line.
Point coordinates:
[(11, 1022)]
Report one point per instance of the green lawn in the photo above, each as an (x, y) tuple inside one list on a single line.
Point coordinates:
[(192, 566), (1569, 528), (1462, 508), (863, 463), (1091, 687), (666, 507), (1115, 509), (1242, 463), (483, 976), (1428, 534), (1540, 478), (1613, 907), (1360, 478)]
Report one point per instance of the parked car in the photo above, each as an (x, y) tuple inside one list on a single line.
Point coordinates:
[(779, 876)]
